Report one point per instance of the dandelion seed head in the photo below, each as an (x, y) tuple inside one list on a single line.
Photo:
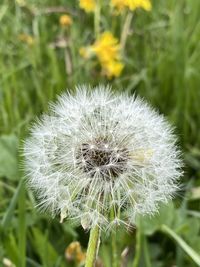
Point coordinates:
[(98, 154)]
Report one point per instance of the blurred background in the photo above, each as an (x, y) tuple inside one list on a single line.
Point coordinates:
[(151, 49)]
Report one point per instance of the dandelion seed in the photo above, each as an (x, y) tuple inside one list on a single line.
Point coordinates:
[(98, 153)]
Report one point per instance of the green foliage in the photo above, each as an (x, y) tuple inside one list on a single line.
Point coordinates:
[(8, 157), (162, 64)]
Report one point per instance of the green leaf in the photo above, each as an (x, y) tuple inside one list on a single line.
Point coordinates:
[(3, 10), (105, 254), (8, 156), (10, 246), (150, 225), (11, 208), (193, 254), (194, 213), (44, 248), (69, 229)]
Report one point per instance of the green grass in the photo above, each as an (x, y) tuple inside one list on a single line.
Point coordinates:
[(162, 64)]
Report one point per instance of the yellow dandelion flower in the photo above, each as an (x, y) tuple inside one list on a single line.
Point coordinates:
[(134, 4), (106, 47), (113, 68), (146, 4), (74, 252), (107, 50), (65, 20), (87, 5), (120, 5), (25, 38)]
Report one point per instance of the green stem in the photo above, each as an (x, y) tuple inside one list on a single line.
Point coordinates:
[(146, 252), (114, 250), (93, 247), (125, 30), (138, 247), (114, 237), (97, 15), (22, 227)]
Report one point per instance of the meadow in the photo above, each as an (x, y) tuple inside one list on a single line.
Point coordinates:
[(43, 53)]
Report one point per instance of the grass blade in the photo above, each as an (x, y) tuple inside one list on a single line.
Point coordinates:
[(193, 254), (22, 227), (10, 211)]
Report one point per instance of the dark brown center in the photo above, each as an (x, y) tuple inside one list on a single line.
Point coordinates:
[(98, 157)]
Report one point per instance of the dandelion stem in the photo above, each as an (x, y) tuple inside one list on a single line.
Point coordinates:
[(125, 30), (93, 247), (114, 240), (97, 15), (114, 250), (138, 247)]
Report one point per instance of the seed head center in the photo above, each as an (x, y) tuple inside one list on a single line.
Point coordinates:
[(101, 157)]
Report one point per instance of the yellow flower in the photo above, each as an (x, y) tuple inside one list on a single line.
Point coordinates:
[(133, 4), (120, 5), (87, 5), (107, 50), (65, 20), (106, 47), (26, 39), (74, 252), (113, 68)]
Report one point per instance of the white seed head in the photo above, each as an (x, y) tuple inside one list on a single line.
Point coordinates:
[(101, 158)]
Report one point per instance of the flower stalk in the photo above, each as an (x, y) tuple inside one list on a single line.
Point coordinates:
[(114, 250), (125, 30), (97, 15), (114, 239), (138, 246), (93, 246)]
